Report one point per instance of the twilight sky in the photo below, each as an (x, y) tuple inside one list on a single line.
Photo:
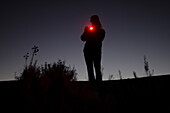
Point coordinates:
[(133, 29)]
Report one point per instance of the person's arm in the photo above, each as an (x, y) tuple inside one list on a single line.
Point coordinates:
[(102, 34), (84, 35)]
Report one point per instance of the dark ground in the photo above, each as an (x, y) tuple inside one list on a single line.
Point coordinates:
[(131, 95)]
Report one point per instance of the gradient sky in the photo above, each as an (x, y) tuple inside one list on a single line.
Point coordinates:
[(133, 29)]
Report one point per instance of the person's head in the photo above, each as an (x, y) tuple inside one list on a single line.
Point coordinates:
[(95, 21)]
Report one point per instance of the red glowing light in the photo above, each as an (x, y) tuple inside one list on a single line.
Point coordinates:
[(91, 28)]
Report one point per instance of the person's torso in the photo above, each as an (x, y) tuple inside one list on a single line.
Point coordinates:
[(94, 40)]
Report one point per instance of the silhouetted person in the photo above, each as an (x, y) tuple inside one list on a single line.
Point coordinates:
[(93, 36)]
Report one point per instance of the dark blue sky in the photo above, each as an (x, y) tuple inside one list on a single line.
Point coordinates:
[(133, 29)]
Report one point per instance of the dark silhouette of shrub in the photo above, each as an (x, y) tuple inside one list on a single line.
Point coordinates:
[(55, 71), (46, 87), (146, 67)]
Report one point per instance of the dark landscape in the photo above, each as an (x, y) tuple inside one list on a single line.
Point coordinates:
[(102, 39), (82, 97)]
